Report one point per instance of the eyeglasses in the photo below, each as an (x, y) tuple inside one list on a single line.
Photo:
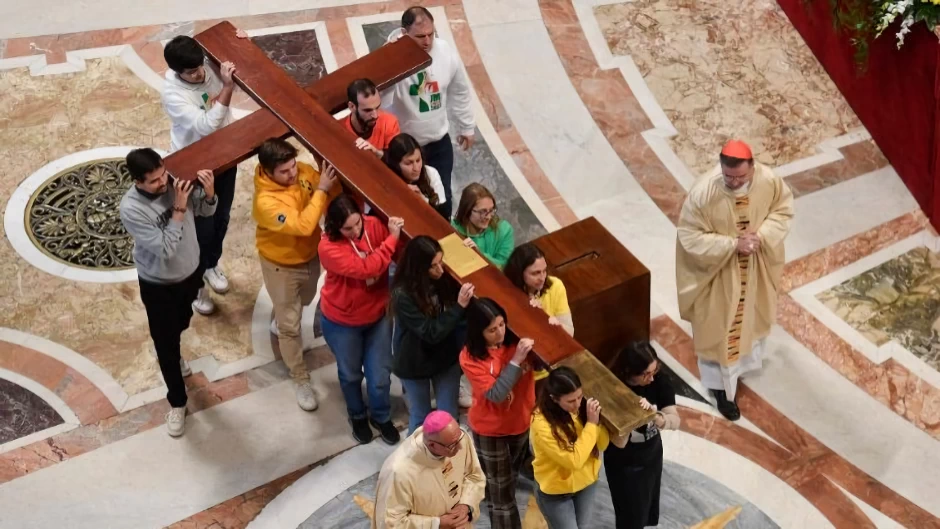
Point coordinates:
[(484, 212), (453, 446), (650, 374)]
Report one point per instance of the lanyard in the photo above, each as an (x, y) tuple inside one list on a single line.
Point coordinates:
[(368, 242)]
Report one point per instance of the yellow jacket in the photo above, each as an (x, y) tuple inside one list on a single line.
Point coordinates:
[(564, 471), (289, 217)]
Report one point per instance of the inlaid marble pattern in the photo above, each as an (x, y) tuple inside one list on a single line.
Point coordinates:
[(297, 53), (687, 498), (729, 69), (898, 299), (74, 216), (45, 118), (477, 165), (23, 413)]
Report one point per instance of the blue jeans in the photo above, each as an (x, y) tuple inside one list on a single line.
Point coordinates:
[(363, 350), (418, 395), (567, 511)]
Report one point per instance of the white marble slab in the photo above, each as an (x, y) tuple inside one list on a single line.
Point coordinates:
[(495, 12), (846, 419), (46, 17), (152, 480), (572, 150), (769, 493), (838, 212)]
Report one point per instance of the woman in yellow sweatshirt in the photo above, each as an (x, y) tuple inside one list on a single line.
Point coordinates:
[(567, 441)]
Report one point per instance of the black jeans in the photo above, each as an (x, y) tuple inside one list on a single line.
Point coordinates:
[(440, 155), (169, 309), (210, 231)]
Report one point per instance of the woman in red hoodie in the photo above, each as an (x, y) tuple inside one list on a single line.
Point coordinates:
[(503, 399), (355, 252)]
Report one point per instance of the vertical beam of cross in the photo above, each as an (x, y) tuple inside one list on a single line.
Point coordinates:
[(271, 87)]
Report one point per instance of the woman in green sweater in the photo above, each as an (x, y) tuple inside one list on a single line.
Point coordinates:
[(429, 326), (477, 222)]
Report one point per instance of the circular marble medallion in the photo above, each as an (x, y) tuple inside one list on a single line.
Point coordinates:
[(64, 219), (73, 217)]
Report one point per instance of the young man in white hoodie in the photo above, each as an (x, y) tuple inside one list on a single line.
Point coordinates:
[(423, 101), (197, 101)]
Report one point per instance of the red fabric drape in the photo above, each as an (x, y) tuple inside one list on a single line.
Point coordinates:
[(896, 97)]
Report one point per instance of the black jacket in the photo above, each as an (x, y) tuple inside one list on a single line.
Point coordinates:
[(424, 346)]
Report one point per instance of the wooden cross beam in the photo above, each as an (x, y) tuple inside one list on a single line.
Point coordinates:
[(227, 147), (363, 173)]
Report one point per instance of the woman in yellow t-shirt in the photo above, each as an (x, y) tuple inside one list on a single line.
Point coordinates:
[(528, 270), (567, 441)]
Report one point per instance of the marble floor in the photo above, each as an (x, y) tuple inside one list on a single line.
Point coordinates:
[(604, 108)]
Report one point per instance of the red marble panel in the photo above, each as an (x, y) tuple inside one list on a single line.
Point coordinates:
[(822, 262), (613, 106), (859, 158), (889, 383), (84, 398)]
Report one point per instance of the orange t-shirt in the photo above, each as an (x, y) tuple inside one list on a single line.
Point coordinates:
[(386, 128), (510, 417)]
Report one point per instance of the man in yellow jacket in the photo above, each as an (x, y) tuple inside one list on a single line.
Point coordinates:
[(290, 198)]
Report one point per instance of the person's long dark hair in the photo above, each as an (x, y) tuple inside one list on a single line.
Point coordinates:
[(401, 146), (336, 214), (635, 359), (520, 259), (560, 382), (481, 314), (414, 278)]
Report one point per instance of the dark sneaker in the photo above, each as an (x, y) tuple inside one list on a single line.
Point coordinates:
[(361, 431), (388, 432), (726, 407)]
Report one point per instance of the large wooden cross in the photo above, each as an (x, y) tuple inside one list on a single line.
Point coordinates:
[(306, 113)]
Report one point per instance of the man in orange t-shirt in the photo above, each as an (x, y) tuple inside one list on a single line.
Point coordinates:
[(373, 127)]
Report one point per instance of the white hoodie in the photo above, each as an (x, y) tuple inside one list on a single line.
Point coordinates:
[(422, 101), (192, 108)]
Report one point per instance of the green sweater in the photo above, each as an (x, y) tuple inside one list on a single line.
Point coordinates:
[(495, 244)]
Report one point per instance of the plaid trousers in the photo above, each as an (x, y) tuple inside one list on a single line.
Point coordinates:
[(502, 458)]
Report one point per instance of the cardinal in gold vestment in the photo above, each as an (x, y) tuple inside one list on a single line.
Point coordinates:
[(729, 257)]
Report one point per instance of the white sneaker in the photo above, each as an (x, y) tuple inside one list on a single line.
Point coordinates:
[(184, 367), (203, 304), (465, 395), (216, 279), (176, 421), (273, 328), (306, 399)]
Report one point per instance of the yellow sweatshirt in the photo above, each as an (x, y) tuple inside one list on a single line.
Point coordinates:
[(288, 217), (565, 471)]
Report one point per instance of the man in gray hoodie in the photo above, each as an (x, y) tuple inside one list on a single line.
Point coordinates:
[(159, 212)]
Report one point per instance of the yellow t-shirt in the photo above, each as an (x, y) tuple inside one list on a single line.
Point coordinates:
[(555, 298), (555, 303), (561, 471)]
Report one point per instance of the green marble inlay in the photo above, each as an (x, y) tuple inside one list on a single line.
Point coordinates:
[(898, 299)]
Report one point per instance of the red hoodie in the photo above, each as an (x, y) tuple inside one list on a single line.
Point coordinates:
[(346, 298)]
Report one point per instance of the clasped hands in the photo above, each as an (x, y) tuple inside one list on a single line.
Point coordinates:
[(748, 243), (456, 518)]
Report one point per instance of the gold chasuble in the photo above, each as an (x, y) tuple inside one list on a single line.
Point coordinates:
[(731, 299)]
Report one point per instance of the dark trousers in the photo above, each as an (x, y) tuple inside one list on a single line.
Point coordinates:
[(210, 231), (169, 309), (634, 474), (440, 155), (501, 459)]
